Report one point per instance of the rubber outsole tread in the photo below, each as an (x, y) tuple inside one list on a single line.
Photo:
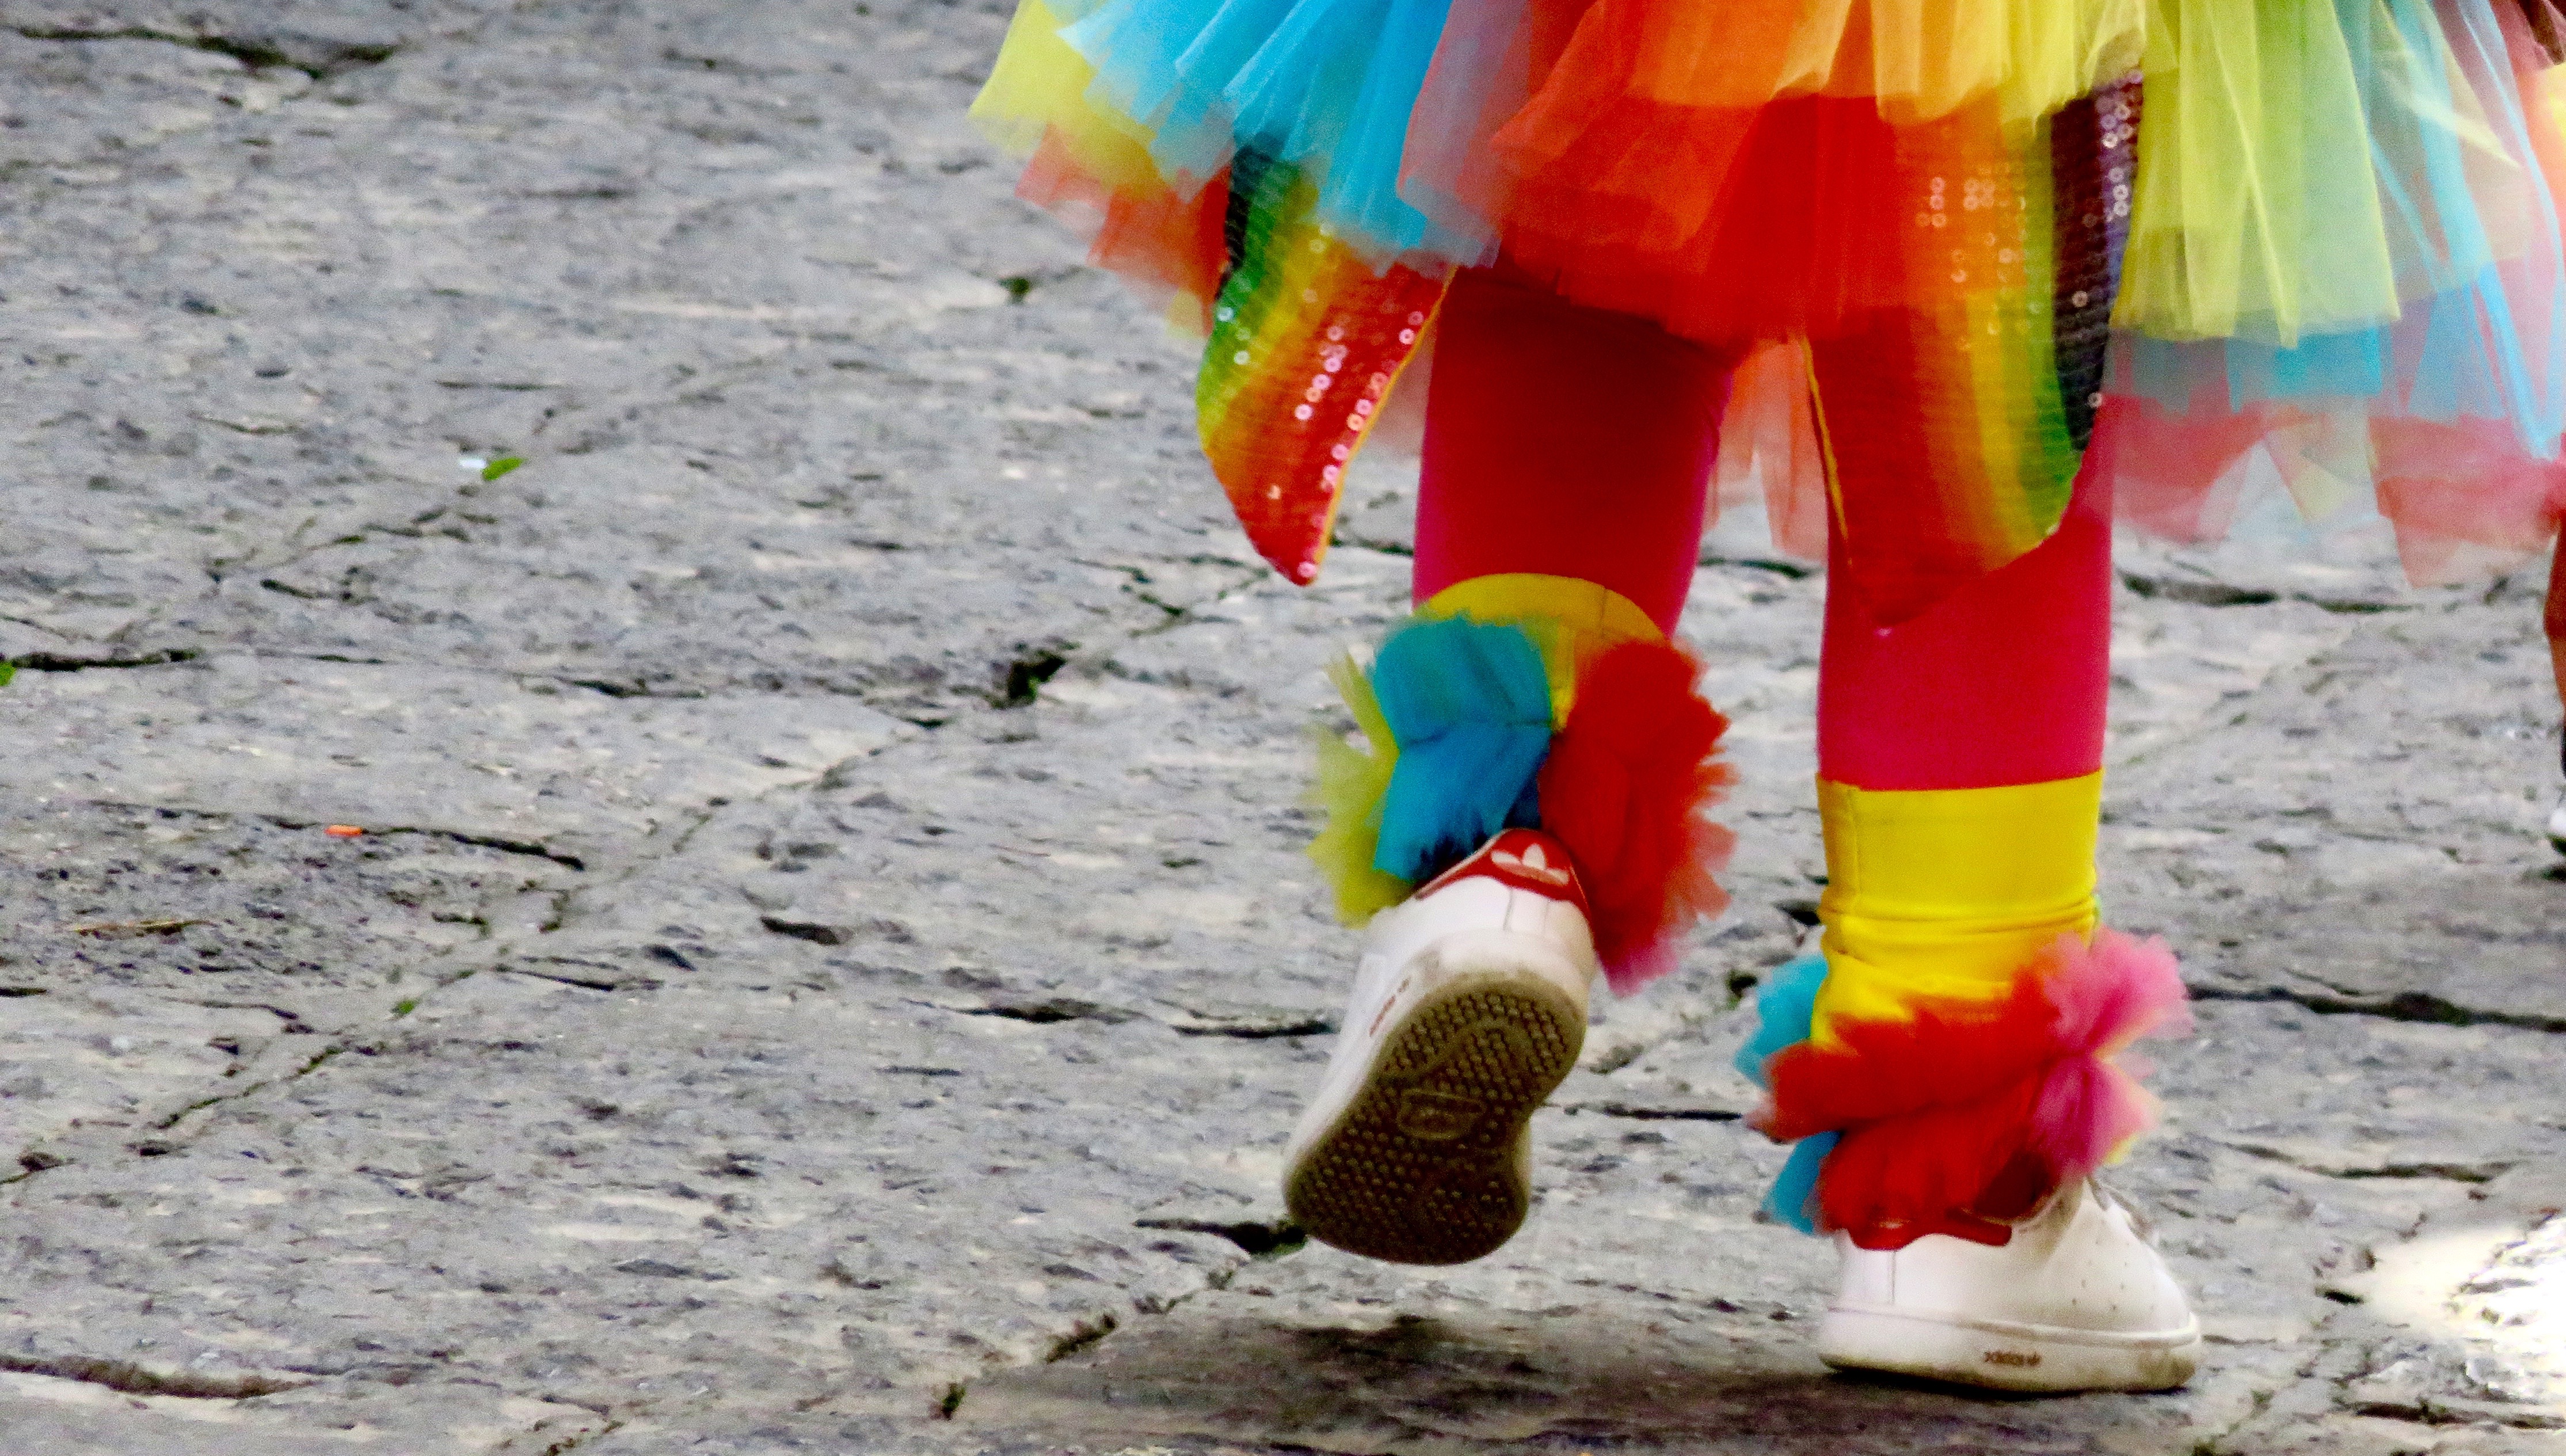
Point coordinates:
[(1420, 1167)]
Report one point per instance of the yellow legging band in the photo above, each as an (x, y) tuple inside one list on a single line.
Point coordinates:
[(1945, 895)]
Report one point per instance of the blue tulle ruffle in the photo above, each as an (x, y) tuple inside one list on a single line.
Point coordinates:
[(1784, 1010), (1469, 705)]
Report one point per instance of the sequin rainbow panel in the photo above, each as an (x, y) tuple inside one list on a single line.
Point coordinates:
[(1307, 340), (1954, 432)]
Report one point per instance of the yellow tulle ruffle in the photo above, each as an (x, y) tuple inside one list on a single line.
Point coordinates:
[(1351, 784)]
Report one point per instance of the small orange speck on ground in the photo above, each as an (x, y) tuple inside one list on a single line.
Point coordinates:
[(343, 830)]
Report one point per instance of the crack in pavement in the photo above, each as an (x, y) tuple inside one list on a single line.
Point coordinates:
[(1080, 1335), (584, 983), (1261, 1238), (311, 1064), (1654, 1115), (2408, 1006), (1044, 1012), (2222, 593), (37, 1158), (1050, 1010), (1178, 613), (61, 662), (1314, 1026), (321, 60), (2426, 1411), (532, 848), (2483, 1172), (577, 1439), (133, 1379), (1797, 571), (294, 1021)]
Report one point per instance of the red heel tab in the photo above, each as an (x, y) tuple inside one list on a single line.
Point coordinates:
[(1524, 859)]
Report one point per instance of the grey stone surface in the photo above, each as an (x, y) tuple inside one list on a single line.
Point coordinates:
[(826, 962)]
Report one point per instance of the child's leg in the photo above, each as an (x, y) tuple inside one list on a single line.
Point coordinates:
[(1530, 812), (1959, 758), (1946, 1067), (1960, 742), (2555, 618), (1567, 442), (1568, 461), (2556, 621)]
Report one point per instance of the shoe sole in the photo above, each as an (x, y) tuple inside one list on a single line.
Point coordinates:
[(2000, 1356), (1420, 1166)]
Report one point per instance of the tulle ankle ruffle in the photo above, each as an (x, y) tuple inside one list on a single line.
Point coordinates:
[(1963, 1115), (1471, 726)]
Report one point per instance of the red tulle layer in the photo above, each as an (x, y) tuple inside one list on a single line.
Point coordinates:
[(2462, 495), (1791, 217), (1628, 786)]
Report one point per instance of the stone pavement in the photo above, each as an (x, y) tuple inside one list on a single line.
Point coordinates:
[(828, 965)]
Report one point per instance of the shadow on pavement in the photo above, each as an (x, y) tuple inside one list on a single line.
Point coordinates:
[(1650, 1375)]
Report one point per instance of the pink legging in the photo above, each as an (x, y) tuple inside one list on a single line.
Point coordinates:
[(1570, 441), (2556, 621)]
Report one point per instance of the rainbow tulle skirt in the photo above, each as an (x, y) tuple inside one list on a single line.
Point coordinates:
[(2210, 242)]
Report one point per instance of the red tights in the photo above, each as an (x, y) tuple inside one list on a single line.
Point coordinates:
[(2555, 621), (1573, 442)]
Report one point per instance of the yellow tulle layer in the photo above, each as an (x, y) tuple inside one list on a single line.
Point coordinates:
[(1039, 89), (2267, 135)]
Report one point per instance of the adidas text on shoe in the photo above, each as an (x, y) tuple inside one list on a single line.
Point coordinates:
[(1469, 1007)]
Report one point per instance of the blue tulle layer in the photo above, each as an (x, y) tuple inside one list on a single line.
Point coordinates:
[(1325, 85)]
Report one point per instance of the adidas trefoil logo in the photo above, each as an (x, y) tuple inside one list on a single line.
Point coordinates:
[(1532, 864)]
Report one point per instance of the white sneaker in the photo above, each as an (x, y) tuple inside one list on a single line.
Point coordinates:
[(2557, 825), (2078, 1300), (1469, 1006)]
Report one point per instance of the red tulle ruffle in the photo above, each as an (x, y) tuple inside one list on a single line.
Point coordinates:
[(1628, 786)]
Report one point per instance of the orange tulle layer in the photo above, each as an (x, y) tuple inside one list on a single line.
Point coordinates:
[(1756, 170), (1789, 218)]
